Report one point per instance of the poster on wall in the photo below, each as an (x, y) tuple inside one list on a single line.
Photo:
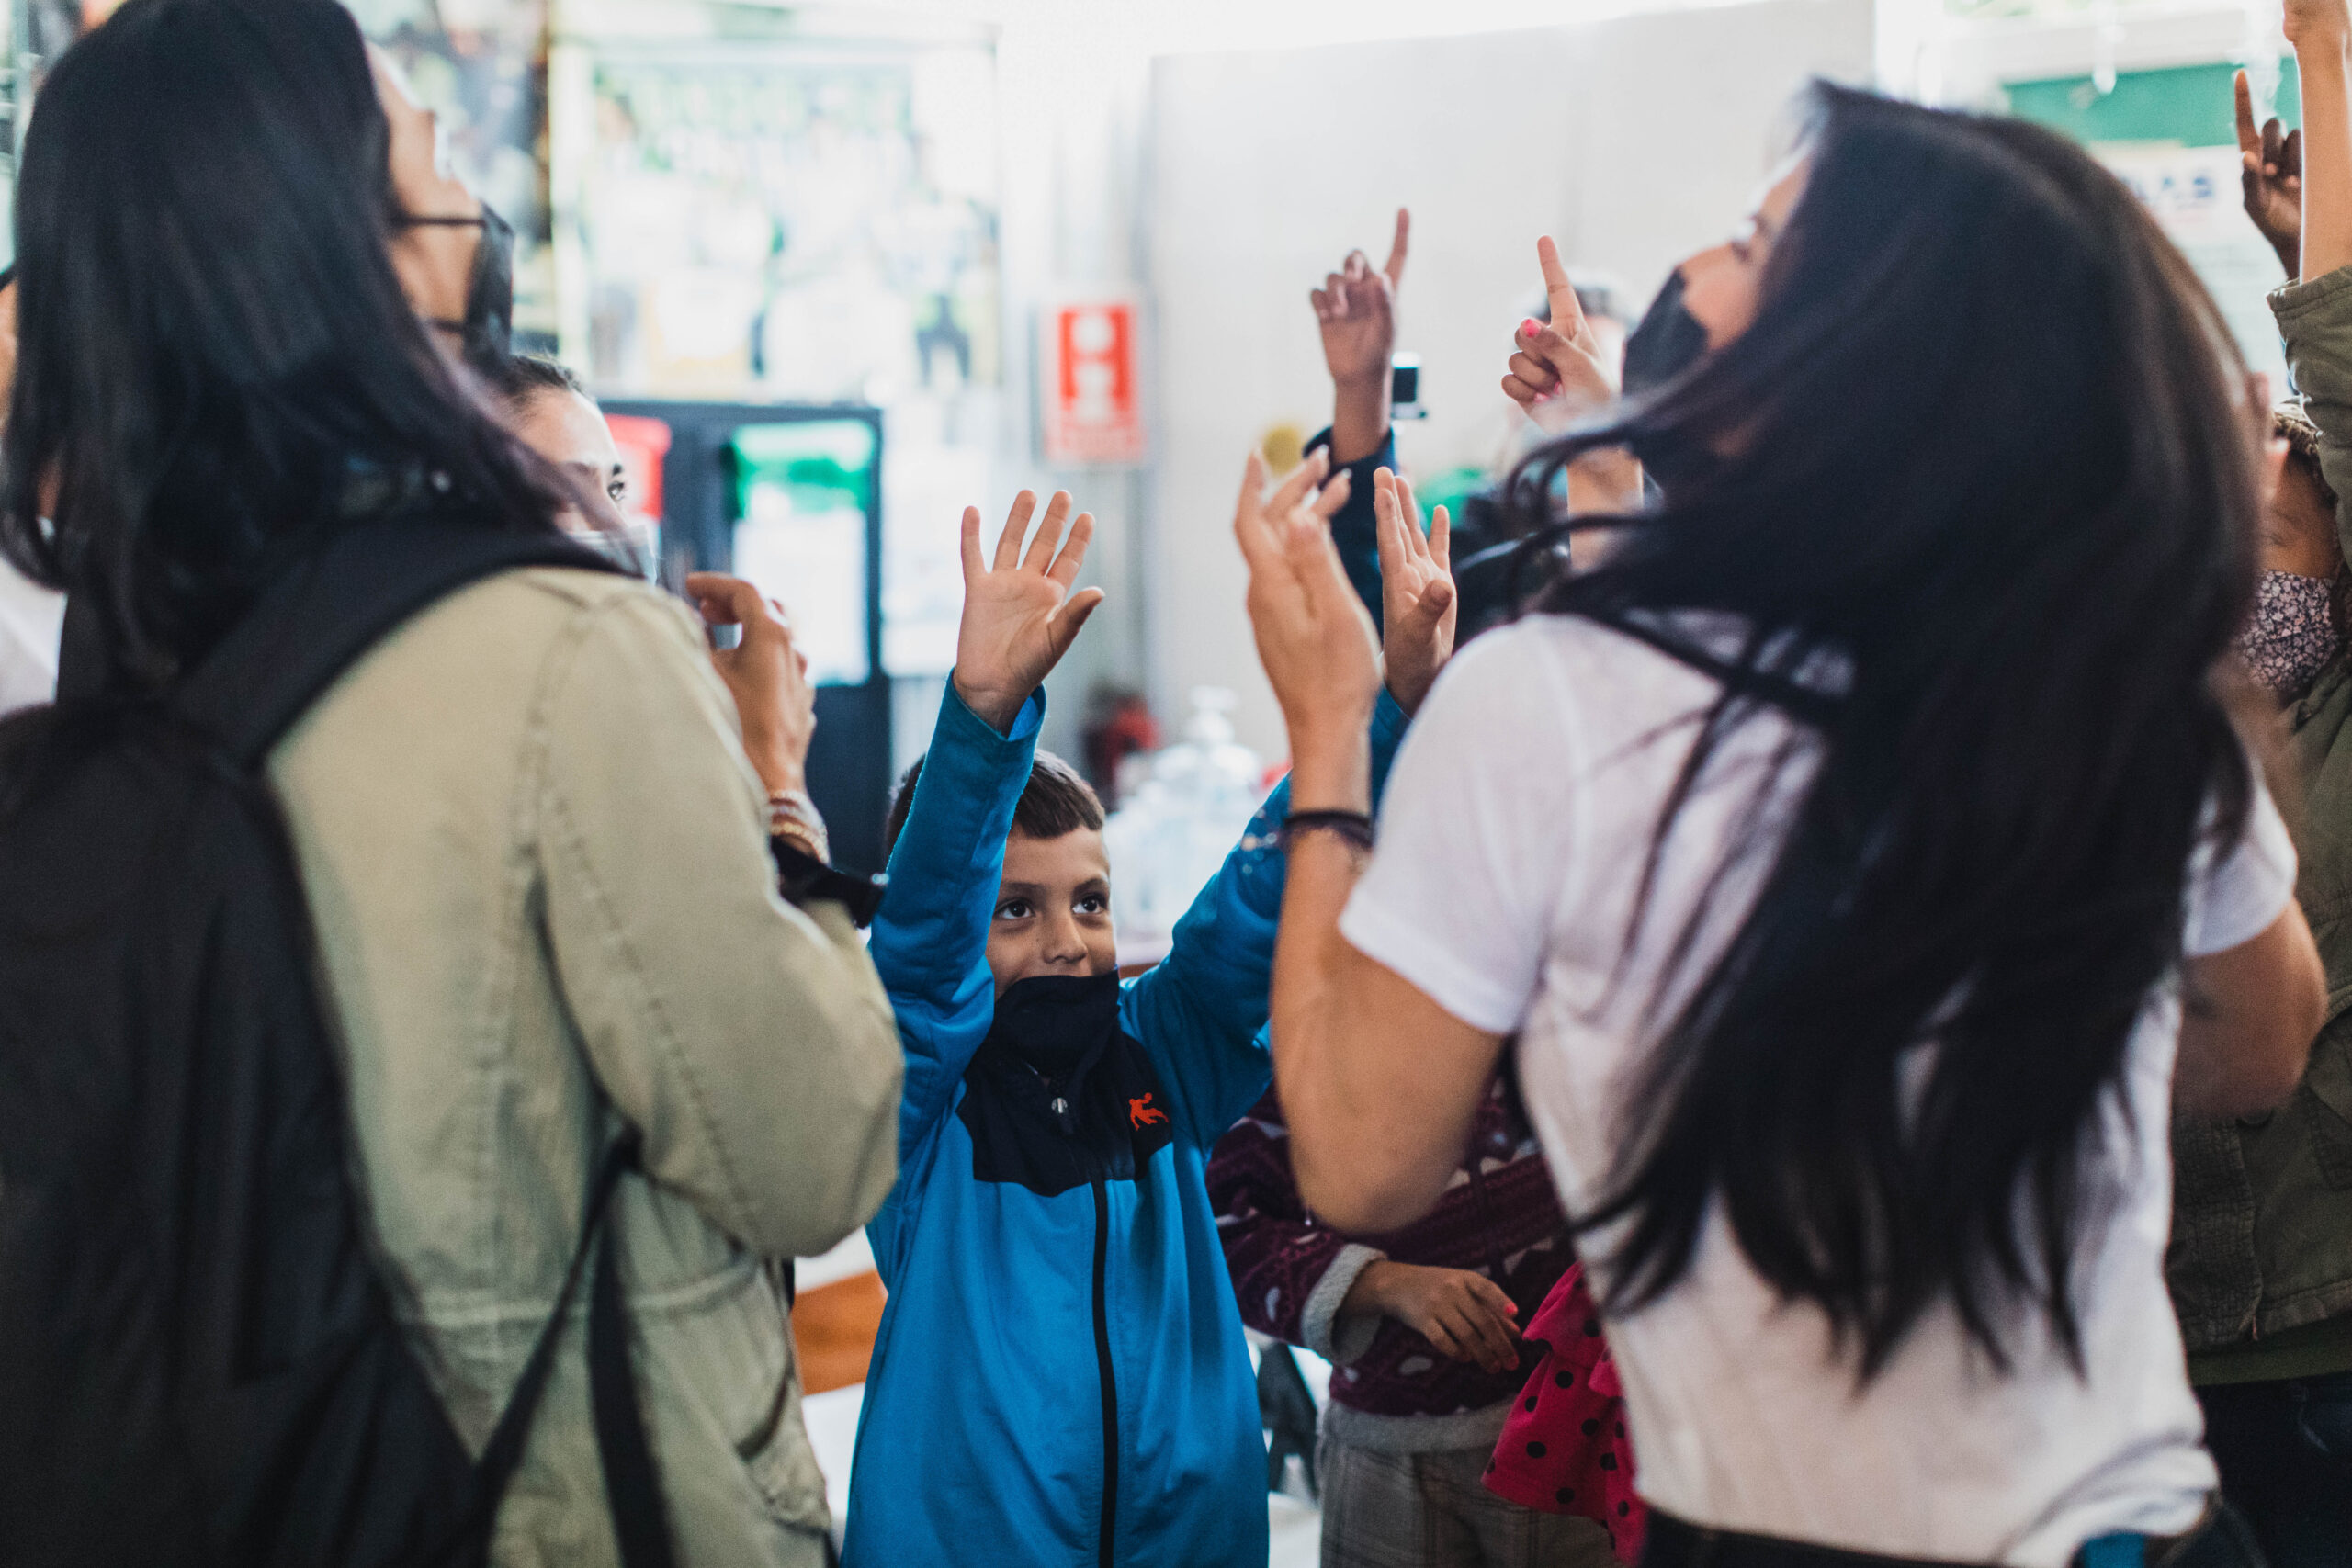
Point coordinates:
[(807, 223), (481, 65), (803, 222)]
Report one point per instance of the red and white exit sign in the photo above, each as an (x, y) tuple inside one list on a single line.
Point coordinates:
[(1088, 373)]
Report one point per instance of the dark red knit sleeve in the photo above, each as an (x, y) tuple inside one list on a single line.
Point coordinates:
[(1275, 1254)]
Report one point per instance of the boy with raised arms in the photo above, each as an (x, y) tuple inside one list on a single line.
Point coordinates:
[(1060, 1376)]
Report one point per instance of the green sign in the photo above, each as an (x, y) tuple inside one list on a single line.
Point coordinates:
[(2191, 105)]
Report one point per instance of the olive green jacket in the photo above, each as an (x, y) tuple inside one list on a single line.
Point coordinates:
[(536, 863), (2262, 1221)]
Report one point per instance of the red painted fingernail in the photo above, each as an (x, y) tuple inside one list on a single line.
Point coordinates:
[(1530, 326)]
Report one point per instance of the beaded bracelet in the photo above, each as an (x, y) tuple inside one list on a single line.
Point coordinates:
[(792, 815)]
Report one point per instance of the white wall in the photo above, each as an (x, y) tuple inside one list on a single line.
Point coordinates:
[(1632, 141)]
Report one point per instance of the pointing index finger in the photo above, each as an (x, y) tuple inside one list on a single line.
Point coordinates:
[(1395, 267), (1567, 318), (2249, 139)]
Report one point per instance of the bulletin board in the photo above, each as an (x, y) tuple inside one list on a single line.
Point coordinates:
[(481, 65), (806, 220), (810, 222)]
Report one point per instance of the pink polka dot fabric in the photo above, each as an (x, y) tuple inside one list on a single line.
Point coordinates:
[(1565, 1449)]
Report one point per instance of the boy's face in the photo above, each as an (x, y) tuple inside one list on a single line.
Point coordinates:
[(1053, 910)]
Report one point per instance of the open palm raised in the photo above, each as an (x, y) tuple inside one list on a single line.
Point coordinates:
[(1418, 605), (1020, 614)]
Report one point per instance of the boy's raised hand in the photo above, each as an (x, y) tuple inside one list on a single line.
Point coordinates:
[(1020, 614), (1418, 602)]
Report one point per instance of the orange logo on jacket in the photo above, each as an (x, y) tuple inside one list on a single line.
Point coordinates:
[(1141, 1114)]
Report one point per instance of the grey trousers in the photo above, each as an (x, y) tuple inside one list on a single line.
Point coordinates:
[(1431, 1510)]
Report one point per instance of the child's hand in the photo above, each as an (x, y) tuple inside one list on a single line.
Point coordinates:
[(1020, 616), (1314, 635), (2272, 179), (1462, 1313), (1560, 372), (1418, 603), (1356, 309)]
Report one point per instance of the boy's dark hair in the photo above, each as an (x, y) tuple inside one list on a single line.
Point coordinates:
[(1054, 801), (523, 377)]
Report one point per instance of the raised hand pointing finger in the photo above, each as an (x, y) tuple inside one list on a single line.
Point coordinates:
[(1567, 316), (1395, 266)]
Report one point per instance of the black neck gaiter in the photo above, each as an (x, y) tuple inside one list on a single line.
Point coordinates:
[(1057, 1095)]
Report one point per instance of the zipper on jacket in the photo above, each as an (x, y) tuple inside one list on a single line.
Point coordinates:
[(1103, 1364)]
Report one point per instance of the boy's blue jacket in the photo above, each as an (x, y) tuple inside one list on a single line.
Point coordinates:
[(982, 1438)]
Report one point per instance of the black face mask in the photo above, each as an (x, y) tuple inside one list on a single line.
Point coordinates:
[(1057, 1095), (1057, 1024), (1669, 341), (486, 335)]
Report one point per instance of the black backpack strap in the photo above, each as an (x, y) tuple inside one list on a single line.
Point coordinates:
[(320, 613), (632, 1487), (503, 1452)]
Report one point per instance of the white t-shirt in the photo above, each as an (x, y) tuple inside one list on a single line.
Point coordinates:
[(1513, 840), (31, 618)]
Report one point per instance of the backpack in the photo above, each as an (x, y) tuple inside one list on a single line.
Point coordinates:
[(199, 1361)]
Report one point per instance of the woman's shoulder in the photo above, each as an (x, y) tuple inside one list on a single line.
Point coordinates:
[(558, 638), (542, 610), (582, 589), (1575, 668)]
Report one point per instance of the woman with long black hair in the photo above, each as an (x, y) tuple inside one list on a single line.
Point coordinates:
[(1860, 856), (537, 864)]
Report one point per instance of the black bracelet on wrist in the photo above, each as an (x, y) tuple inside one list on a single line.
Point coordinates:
[(802, 877), (1355, 827)]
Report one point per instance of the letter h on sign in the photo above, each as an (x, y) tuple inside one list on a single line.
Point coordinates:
[(1087, 367)]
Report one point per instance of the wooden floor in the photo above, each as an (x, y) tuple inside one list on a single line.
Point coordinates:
[(834, 1327)]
